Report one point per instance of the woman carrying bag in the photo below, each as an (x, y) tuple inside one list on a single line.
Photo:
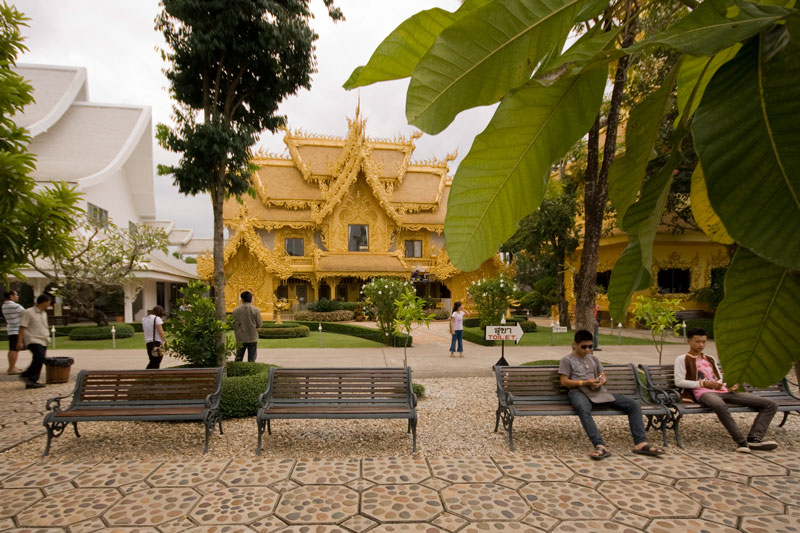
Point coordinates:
[(156, 341)]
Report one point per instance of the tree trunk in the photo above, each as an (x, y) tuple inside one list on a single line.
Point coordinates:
[(217, 197), (561, 295), (596, 195)]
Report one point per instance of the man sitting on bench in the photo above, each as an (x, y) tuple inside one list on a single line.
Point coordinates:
[(582, 373), (700, 379)]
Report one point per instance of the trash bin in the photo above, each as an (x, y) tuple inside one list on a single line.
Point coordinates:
[(57, 369)]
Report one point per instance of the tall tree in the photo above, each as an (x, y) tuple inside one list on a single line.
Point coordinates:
[(230, 63), (550, 232), (735, 66), (31, 222)]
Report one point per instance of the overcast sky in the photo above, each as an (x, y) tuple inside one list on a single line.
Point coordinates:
[(115, 40)]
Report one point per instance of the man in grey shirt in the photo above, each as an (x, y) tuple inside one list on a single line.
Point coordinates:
[(34, 335), (582, 373), (246, 321)]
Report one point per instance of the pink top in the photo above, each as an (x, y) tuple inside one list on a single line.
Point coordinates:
[(705, 373)]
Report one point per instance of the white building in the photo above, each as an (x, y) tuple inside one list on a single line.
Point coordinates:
[(106, 152)]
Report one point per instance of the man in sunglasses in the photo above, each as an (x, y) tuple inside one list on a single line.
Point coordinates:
[(582, 373), (700, 379)]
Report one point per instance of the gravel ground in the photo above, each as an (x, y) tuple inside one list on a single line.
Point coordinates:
[(456, 418)]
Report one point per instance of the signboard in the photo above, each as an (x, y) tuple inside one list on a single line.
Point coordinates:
[(559, 329), (504, 333)]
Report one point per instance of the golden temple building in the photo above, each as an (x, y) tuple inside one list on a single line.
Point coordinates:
[(336, 212)]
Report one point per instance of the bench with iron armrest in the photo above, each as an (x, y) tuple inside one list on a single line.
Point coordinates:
[(537, 391), (661, 379), (136, 395), (337, 393)]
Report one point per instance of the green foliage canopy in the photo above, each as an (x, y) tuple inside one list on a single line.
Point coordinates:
[(491, 297), (381, 293), (195, 334), (737, 63)]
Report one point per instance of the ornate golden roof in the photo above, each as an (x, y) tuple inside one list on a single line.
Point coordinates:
[(349, 264)]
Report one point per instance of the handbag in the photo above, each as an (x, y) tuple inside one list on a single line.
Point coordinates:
[(157, 351)]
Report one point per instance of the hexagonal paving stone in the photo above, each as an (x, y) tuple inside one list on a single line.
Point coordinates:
[(235, 505), (592, 526), (46, 474), (407, 528), (12, 467), (268, 524), (614, 467), (567, 500), (69, 507), (785, 458), (464, 470), (115, 474), (785, 489), (729, 497), (12, 501), (256, 472), (152, 507), (739, 463), (220, 529), (690, 525), (535, 468), (673, 465), (484, 501), (771, 524), (34, 530), (187, 473), (315, 504), (359, 523), (325, 471), (649, 499), (395, 469), (482, 527), (401, 503)]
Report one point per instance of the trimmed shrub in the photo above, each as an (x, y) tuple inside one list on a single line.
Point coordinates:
[(329, 316), (376, 335), (472, 322), (519, 318), (350, 306), (137, 326), (325, 306), (419, 389), (283, 331), (241, 388), (527, 327), (96, 333), (477, 335), (439, 314)]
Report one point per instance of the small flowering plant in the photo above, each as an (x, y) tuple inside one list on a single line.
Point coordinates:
[(491, 297), (381, 294)]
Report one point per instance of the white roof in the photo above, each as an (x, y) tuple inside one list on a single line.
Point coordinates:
[(55, 88)]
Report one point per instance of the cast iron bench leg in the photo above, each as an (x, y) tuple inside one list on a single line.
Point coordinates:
[(75, 427), (413, 423), (261, 425), (209, 429), (785, 416), (497, 419), (677, 419)]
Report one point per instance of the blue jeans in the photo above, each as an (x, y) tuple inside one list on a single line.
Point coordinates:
[(457, 335), (583, 405)]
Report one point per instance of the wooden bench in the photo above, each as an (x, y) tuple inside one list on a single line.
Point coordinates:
[(129, 395), (537, 391), (337, 393), (661, 379)]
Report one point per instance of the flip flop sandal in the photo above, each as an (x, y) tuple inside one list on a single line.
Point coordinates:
[(649, 450), (602, 455)]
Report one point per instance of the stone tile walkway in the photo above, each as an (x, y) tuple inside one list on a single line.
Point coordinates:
[(722, 492)]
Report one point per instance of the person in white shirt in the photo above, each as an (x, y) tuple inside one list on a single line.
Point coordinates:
[(12, 312), (457, 330), (153, 329), (34, 334)]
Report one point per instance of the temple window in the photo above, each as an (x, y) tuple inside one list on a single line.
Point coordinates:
[(294, 247), (96, 214), (603, 279), (413, 248), (674, 280), (358, 238)]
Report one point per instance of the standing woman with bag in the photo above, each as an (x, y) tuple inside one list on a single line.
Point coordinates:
[(457, 330), (156, 341)]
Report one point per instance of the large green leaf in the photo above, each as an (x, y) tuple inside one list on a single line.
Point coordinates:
[(400, 52), (695, 74), (756, 325), (631, 272), (715, 25), (627, 171), (747, 136), (479, 58), (593, 47), (504, 174), (703, 213)]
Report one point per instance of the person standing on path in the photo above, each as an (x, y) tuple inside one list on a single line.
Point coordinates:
[(457, 330), (12, 312), (153, 329), (33, 333), (246, 321), (582, 374), (700, 379)]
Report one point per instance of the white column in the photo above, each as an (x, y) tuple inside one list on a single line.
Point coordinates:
[(130, 290)]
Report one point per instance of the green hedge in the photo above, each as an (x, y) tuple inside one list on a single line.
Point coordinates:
[(95, 333), (61, 331), (327, 316), (476, 335), (137, 326), (472, 322), (705, 323), (359, 331), (283, 331), (528, 327), (241, 388)]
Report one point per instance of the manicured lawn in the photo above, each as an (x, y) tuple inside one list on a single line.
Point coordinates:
[(544, 337), (329, 340)]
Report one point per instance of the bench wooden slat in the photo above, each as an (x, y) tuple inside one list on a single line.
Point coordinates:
[(130, 411)]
